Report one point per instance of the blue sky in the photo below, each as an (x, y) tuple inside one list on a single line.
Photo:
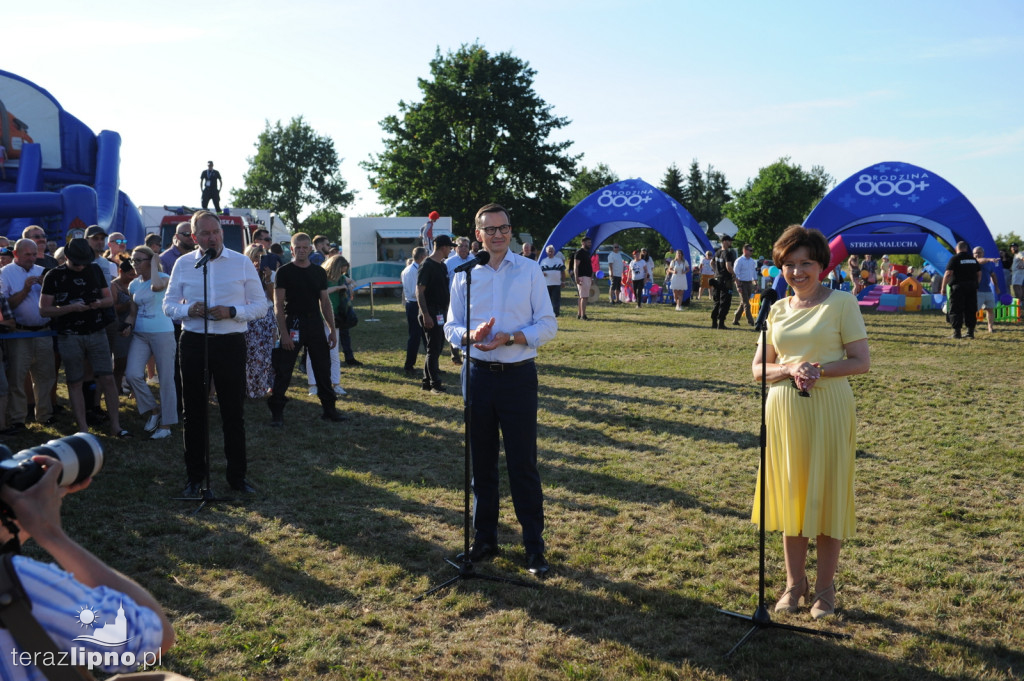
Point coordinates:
[(735, 84)]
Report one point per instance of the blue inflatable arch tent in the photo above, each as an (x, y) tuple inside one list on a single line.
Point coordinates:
[(631, 204), (896, 207), (59, 173)]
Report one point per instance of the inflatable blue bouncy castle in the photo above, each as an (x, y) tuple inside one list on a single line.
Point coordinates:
[(56, 172)]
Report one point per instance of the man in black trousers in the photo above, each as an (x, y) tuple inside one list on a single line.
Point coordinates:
[(234, 296), (963, 274), (210, 182), (432, 298), (302, 306)]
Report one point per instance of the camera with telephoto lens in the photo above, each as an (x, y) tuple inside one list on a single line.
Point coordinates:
[(81, 456)]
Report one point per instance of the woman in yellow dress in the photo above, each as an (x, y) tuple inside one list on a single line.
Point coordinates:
[(815, 339)]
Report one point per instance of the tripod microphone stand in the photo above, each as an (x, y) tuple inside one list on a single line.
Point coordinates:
[(761, 619), (206, 495), (465, 568)]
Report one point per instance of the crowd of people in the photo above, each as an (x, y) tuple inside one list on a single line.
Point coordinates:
[(121, 322)]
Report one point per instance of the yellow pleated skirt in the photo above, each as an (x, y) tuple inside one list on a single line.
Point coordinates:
[(809, 460)]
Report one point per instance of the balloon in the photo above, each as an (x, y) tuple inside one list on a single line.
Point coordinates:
[(1005, 298), (773, 271), (599, 274), (766, 272), (655, 290), (864, 274)]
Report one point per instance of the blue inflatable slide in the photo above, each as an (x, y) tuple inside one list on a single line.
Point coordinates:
[(56, 172)]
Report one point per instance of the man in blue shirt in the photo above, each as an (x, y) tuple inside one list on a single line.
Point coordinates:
[(511, 317)]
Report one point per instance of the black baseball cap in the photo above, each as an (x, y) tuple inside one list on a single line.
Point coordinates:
[(442, 240), (94, 230)]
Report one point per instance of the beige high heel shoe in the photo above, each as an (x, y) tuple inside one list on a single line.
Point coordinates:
[(790, 599), (827, 598)]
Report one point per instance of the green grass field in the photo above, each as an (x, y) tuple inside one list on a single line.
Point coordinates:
[(649, 449)]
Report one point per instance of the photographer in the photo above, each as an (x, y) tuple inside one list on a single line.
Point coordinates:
[(58, 597)]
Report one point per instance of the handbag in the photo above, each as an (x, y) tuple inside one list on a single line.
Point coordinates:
[(345, 319)]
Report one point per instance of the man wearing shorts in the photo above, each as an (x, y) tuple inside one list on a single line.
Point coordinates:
[(584, 271), (75, 296)]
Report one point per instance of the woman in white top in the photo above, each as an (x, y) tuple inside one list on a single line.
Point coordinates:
[(639, 270), (679, 269), (152, 332)]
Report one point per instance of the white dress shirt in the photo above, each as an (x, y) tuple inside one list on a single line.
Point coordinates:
[(745, 268), (454, 261), (516, 295), (14, 276), (233, 281), (409, 275)]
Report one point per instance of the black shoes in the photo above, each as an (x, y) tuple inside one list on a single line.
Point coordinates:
[(480, 551), (242, 486), (193, 490), (353, 362), (537, 565), (276, 415), (334, 416), (14, 429)]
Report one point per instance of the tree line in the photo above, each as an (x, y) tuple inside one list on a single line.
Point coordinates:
[(481, 133)]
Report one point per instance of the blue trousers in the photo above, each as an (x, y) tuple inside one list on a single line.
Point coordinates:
[(506, 400)]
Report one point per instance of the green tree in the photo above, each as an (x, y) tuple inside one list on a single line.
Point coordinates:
[(705, 194), (325, 221), (295, 170), (589, 180), (480, 134), (1003, 242), (782, 194), (673, 183)]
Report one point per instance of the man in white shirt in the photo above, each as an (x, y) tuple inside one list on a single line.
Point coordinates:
[(22, 284), (412, 309), (235, 296), (745, 270), (511, 317), (615, 267), (460, 257)]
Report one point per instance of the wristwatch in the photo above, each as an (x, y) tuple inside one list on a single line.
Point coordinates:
[(511, 339)]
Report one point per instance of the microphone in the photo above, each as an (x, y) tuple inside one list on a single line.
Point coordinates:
[(207, 257), (482, 258), (768, 298)]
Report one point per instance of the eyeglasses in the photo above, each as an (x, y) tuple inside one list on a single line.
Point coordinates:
[(504, 229), (264, 238), (138, 261), (184, 233), (122, 242)]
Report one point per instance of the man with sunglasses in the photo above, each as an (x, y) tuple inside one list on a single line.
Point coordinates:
[(510, 318), (180, 245), (38, 235)]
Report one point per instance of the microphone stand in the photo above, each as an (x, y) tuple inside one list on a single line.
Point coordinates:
[(465, 568), (761, 619), (206, 495)]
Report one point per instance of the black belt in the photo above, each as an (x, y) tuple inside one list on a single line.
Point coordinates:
[(499, 366), (22, 327)]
